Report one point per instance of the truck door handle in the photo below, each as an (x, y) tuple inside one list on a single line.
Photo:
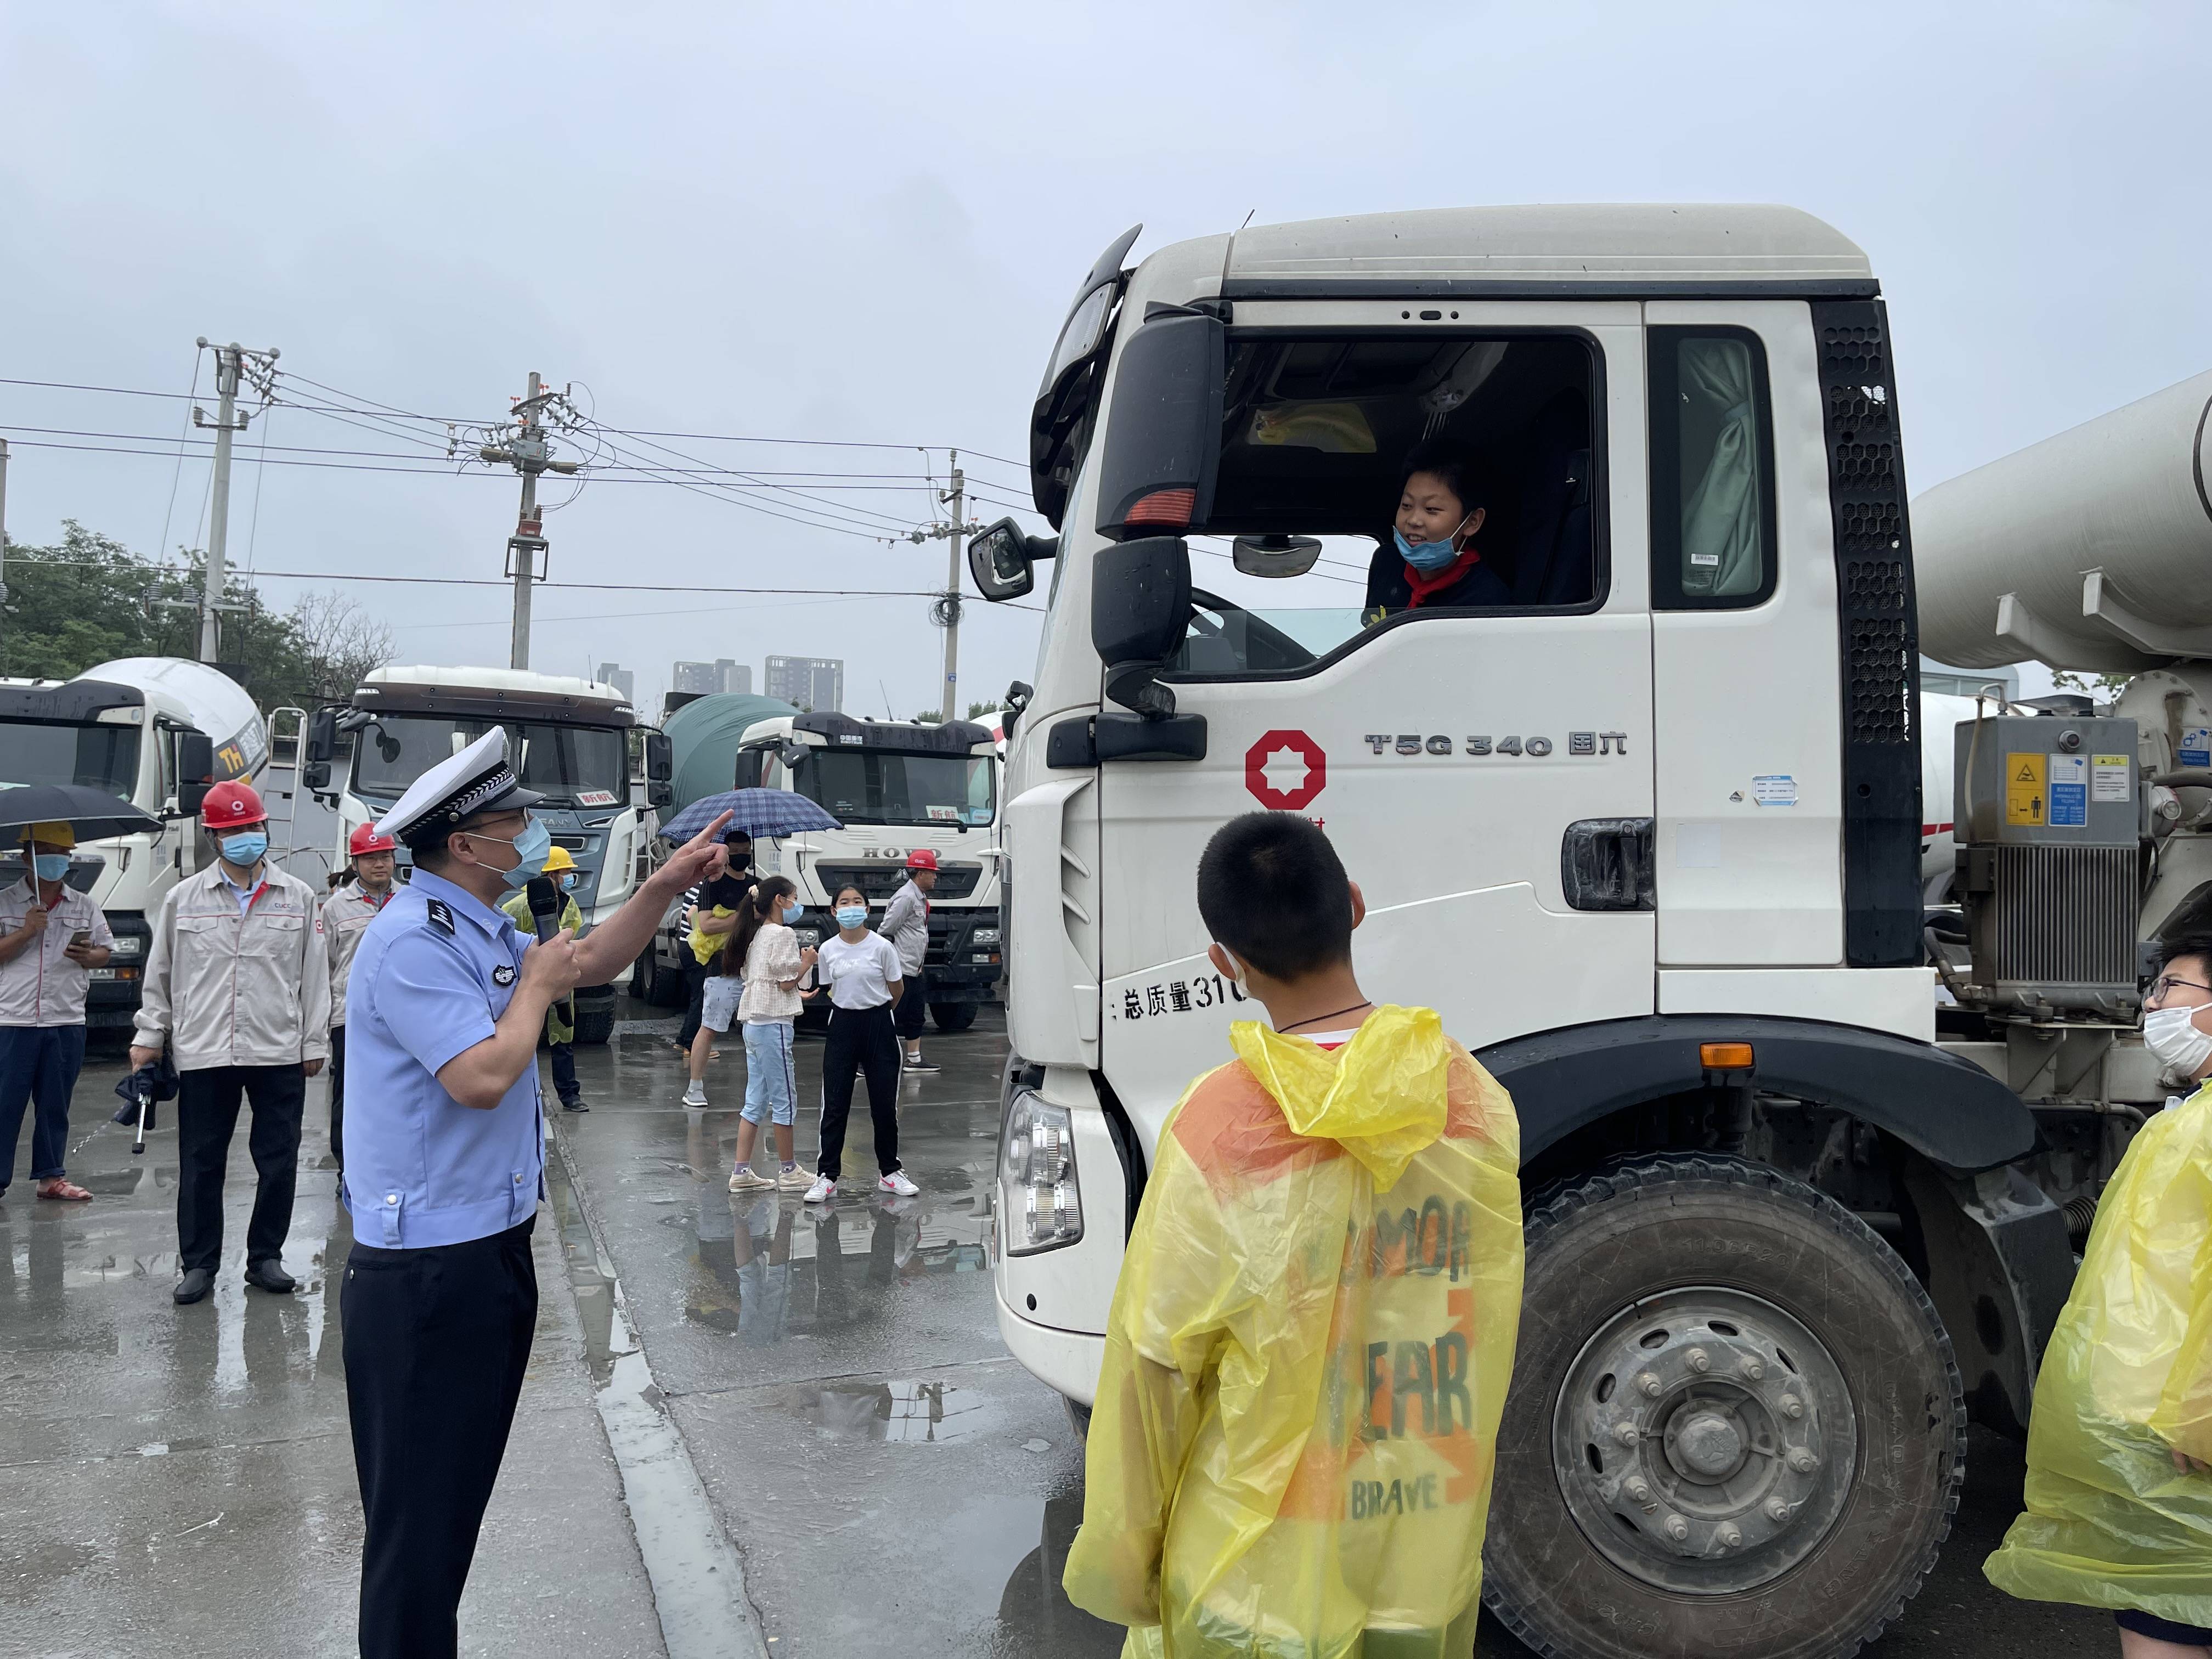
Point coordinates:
[(1605, 864)]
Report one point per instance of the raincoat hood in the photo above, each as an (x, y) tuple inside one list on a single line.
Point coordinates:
[(1383, 1096)]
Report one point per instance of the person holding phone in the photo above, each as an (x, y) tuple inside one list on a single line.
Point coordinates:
[(52, 937)]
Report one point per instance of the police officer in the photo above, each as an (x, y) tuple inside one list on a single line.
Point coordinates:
[(238, 985), (443, 1164), (346, 916)]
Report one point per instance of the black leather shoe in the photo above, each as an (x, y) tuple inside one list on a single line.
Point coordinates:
[(271, 1276), (194, 1286), (575, 1105)]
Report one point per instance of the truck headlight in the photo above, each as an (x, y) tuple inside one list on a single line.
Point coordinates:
[(807, 937), (128, 945), (1037, 1190), (984, 936)]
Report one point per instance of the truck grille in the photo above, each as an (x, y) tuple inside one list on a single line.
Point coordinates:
[(881, 880), (2060, 923)]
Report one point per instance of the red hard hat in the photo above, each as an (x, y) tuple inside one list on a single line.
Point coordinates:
[(366, 838), (921, 859), (228, 806)]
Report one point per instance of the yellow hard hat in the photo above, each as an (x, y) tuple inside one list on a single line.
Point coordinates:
[(51, 834), (558, 859)]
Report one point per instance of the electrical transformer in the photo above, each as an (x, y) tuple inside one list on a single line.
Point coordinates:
[(2049, 818)]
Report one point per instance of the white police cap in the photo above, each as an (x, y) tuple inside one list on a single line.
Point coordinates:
[(477, 779)]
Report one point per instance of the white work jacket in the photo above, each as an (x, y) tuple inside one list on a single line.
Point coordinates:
[(38, 985), (228, 987), (346, 916)]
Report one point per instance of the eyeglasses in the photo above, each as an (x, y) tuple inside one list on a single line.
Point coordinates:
[(2165, 985)]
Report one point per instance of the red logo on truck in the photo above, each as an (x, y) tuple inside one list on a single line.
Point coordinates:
[(1285, 770)]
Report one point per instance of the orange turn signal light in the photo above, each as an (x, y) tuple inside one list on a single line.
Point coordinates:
[(1725, 1056)]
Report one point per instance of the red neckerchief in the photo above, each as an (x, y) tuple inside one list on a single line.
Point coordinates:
[(1422, 585)]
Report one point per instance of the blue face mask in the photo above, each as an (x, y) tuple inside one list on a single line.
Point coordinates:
[(533, 844), (852, 916), (1427, 557), (793, 909), (51, 866), (245, 848), (568, 881)]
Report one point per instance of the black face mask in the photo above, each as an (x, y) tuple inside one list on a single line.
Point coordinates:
[(740, 857)]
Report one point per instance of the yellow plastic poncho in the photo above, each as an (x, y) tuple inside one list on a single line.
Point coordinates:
[(1307, 1353), (2128, 1380)]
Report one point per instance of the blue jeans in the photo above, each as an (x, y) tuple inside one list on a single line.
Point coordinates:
[(770, 1086), (38, 1063)]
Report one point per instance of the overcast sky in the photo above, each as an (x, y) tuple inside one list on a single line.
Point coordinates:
[(864, 223)]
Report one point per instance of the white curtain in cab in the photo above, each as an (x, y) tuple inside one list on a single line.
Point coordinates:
[(1721, 516)]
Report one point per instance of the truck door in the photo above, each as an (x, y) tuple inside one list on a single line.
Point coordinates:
[(1744, 642), (1453, 757)]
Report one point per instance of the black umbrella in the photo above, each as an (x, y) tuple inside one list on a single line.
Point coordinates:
[(93, 813)]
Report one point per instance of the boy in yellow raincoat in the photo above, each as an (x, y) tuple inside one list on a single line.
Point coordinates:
[(1309, 1349), (2119, 1492)]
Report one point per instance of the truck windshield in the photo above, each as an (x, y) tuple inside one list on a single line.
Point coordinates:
[(865, 786), (571, 765), (103, 758)]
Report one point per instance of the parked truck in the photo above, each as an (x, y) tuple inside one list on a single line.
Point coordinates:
[(1648, 835), (898, 786), (155, 731), (571, 739)]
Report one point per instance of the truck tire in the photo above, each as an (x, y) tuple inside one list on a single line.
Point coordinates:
[(952, 1015), (594, 1025), (1735, 1429)]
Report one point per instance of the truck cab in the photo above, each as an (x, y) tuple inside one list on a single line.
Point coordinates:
[(570, 739), (897, 786), (155, 731), (1643, 823)]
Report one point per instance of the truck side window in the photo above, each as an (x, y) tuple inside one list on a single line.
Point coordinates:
[(1712, 470)]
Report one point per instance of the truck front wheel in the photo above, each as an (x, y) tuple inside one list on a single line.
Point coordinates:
[(1735, 1429), (952, 1015)]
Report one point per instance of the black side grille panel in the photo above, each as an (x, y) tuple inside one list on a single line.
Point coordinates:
[(1880, 635), (879, 880)]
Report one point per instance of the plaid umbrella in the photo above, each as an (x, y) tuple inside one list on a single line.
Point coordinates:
[(755, 812)]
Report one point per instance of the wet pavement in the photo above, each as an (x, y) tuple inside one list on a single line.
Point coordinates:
[(750, 1427)]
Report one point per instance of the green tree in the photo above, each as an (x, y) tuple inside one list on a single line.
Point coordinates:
[(977, 710)]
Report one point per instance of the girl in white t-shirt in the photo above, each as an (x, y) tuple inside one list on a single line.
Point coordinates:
[(861, 971), (765, 955)]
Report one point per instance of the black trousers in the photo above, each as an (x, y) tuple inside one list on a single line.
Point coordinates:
[(860, 1039), (436, 1341), (563, 1056), (207, 1114), (338, 1096), (696, 974), (913, 1005)]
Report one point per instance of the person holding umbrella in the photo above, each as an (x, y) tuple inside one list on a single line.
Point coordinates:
[(52, 937), (238, 985)]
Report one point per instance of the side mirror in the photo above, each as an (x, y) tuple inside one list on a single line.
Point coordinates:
[(1163, 433), (195, 771), (322, 747), (659, 770), (1001, 556), (794, 755), (1139, 612)]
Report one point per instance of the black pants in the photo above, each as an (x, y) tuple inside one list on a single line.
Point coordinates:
[(564, 1073), (696, 974), (338, 1096), (436, 1341), (207, 1114), (860, 1039), (912, 1006)]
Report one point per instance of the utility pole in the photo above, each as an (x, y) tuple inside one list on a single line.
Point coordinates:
[(230, 362), (950, 707), (3, 556), (527, 450)]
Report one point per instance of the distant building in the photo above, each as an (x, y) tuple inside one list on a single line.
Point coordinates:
[(815, 682), (736, 676), (620, 678), (705, 678)]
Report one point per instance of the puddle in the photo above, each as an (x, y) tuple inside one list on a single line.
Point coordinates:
[(909, 1412)]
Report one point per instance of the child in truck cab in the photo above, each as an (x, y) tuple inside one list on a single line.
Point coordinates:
[(1309, 1348), (1430, 561)]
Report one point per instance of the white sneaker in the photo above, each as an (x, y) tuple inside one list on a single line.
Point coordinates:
[(797, 1179), (695, 1094), (744, 1180), (895, 1182), (823, 1189)]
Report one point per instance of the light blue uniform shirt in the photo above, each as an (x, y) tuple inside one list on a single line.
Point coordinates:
[(433, 971)]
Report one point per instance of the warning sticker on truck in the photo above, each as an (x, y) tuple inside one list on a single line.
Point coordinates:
[(2069, 791), (2027, 793), (2108, 777), (2195, 748)]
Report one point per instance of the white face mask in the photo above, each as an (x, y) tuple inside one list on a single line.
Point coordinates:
[(2172, 1035), (1237, 974)]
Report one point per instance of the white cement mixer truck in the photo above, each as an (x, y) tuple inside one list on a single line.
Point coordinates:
[(1646, 827)]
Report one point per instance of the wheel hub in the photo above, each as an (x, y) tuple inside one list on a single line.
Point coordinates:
[(1705, 1440)]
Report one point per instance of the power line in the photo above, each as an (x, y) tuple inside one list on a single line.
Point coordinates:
[(179, 472)]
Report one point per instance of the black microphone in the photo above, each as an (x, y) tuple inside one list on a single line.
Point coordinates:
[(545, 916)]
